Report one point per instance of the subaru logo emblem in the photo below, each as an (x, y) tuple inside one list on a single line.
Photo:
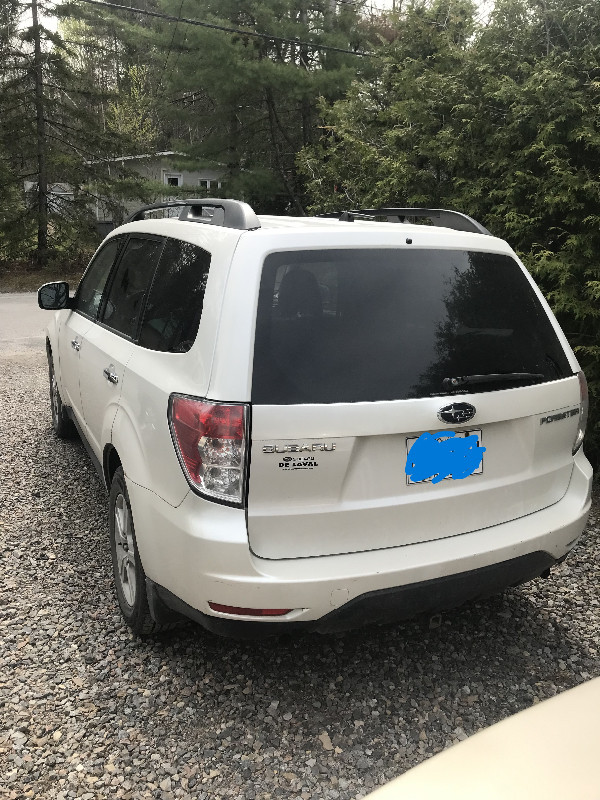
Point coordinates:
[(457, 413)]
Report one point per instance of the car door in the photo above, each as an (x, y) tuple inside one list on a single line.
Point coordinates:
[(107, 346), (78, 321)]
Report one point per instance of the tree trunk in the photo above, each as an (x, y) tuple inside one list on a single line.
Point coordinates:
[(233, 147), (305, 103), (277, 154), (42, 190)]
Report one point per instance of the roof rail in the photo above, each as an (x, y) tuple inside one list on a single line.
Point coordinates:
[(438, 216), (208, 210)]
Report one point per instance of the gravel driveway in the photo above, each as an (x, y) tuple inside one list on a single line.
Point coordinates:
[(89, 711)]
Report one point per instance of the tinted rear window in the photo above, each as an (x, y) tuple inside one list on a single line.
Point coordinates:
[(174, 306), (340, 326)]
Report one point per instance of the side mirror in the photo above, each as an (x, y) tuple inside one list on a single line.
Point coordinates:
[(54, 296)]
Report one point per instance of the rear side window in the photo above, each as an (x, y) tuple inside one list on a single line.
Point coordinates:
[(130, 284), (91, 288), (175, 301), (339, 326)]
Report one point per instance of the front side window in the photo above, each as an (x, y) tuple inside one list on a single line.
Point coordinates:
[(175, 301), (91, 288), (130, 285), (341, 326)]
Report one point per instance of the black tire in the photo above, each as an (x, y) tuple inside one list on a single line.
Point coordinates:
[(128, 572), (61, 423)]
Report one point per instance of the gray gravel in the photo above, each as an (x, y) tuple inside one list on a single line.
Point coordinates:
[(89, 711)]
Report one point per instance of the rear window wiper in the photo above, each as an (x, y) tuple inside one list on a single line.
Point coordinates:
[(499, 377)]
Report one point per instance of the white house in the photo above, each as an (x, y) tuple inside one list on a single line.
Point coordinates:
[(160, 168)]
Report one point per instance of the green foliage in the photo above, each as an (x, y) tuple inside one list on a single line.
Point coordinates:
[(59, 115), (132, 114), (502, 122), (119, 84), (392, 140), (249, 104)]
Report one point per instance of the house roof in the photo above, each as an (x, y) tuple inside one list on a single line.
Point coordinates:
[(136, 158), (161, 154)]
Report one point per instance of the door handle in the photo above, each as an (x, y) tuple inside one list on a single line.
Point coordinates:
[(76, 344), (110, 376)]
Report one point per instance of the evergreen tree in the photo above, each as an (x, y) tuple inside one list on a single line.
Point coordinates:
[(51, 134), (250, 102), (14, 221), (394, 139)]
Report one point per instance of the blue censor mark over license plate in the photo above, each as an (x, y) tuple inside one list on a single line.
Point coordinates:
[(433, 457)]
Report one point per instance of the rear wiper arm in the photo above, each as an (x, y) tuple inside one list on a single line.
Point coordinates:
[(500, 377)]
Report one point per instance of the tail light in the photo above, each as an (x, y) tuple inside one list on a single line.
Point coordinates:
[(583, 411), (211, 442)]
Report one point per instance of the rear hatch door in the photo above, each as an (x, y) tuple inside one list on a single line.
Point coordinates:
[(354, 353)]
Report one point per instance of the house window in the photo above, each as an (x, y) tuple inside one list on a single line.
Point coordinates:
[(204, 183), (173, 179)]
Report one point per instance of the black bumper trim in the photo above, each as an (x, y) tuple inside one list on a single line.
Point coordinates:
[(373, 608)]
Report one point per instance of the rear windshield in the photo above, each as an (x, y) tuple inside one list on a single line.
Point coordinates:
[(343, 326)]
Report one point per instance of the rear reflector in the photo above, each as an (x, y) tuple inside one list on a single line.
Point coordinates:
[(210, 439), (250, 612)]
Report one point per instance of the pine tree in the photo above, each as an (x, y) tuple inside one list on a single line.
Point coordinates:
[(14, 221), (52, 134), (250, 103)]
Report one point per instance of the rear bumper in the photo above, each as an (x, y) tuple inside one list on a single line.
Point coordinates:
[(198, 553), (373, 608)]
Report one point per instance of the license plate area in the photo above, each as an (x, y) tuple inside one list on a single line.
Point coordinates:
[(440, 437)]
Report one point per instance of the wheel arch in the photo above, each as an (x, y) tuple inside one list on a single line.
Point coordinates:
[(50, 356), (53, 357), (51, 332), (111, 462)]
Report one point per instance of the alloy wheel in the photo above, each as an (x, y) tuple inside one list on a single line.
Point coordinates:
[(125, 550)]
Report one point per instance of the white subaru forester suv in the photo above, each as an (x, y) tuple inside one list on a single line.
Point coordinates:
[(318, 423)]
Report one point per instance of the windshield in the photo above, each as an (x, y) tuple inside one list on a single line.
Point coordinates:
[(342, 326)]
